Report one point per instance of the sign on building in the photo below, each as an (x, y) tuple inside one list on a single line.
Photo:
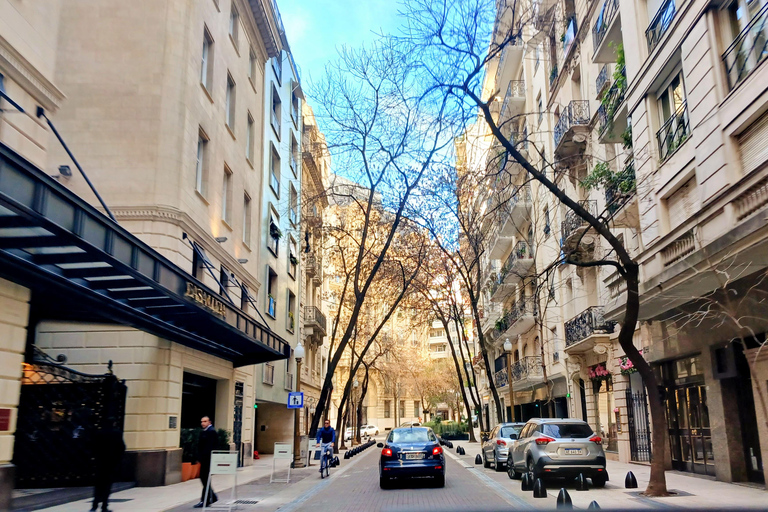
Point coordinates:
[(295, 400)]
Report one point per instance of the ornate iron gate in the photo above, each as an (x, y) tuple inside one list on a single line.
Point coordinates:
[(639, 430), (60, 409), (237, 428)]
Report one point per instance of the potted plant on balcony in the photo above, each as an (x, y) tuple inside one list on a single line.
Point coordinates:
[(275, 232), (294, 260), (597, 374), (291, 319), (626, 366)]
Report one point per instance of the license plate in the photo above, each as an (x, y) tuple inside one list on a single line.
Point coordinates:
[(414, 456), (573, 451)]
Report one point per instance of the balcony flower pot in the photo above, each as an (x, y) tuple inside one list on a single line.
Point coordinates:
[(294, 259), (275, 232)]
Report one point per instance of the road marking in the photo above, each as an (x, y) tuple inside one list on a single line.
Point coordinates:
[(499, 489)]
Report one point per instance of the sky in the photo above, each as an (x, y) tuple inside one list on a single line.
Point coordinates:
[(315, 28)]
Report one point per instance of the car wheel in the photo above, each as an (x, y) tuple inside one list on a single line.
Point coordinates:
[(532, 469), (598, 482), (384, 482), (514, 475), (486, 464), (440, 481), (498, 465)]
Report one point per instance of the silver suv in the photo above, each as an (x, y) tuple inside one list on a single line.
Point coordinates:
[(549, 447), (498, 442)]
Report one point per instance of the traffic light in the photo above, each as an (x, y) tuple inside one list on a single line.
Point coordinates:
[(255, 406)]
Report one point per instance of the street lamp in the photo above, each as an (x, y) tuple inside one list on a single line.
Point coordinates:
[(298, 354), (355, 426), (508, 350)]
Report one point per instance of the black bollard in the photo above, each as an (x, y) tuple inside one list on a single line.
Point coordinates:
[(564, 499), (581, 482), (346, 455), (630, 482), (593, 506), (527, 482), (336, 460), (463, 451), (539, 490), (458, 450), (478, 459)]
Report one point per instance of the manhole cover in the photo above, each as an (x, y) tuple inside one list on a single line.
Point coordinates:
[(246, 502)]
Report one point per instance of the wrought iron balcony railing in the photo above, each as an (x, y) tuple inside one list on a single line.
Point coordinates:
[(622, 190), (515, 89), (529, 366), (660, 23), (748, 49), (604, 19), (603, 79), (500, 378), (575, 114), (674, 132), (521, 251), (313, 316), (573, 221), (609, 105), (519, 309), (585, 324)]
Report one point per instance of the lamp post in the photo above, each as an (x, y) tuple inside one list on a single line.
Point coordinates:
[(298, 354), (355, 426), (508, 350)]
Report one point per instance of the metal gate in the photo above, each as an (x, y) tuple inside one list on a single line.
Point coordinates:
[(59, 412), (639, 429), (237, 428)]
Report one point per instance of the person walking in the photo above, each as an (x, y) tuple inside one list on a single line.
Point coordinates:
[(108, 450), (207, 443)]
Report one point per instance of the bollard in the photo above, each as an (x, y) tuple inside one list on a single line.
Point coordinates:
[(539, 490), (630, 482), (478, 459), (526, 484), (336, 460), (593, 506), (463, 451), (346, 455), (581, 482), (458, 450), (564, 499)]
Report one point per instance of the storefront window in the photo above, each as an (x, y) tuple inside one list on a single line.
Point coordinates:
[(605, 420)]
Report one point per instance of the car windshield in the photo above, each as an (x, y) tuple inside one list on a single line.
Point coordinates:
[(410, 436), (560, 430), (508, 431)]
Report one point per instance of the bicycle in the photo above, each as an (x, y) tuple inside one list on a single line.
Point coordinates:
[(325, 461)]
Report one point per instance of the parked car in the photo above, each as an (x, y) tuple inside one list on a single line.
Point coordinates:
[(549, 447), (496, 445), (410, 424), (411, 452), (348, 434), (369, 430)]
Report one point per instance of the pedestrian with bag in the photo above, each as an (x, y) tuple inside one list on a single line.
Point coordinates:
[(108, 448), (208, 442)]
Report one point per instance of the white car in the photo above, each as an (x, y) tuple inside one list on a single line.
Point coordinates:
[(369, 430)]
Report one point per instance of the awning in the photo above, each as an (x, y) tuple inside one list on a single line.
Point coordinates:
[(54, 242)]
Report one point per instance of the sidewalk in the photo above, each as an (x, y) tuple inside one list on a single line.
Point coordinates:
[(693, 492)]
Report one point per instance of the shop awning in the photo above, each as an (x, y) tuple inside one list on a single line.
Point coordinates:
[(55, 243)]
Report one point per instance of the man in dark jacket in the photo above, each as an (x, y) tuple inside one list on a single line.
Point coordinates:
[(207, 443), (108, 448)]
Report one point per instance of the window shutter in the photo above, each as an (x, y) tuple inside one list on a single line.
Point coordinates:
[(754, 150), (682, 204)]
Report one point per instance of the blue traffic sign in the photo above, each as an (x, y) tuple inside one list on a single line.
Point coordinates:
[(295, 400)]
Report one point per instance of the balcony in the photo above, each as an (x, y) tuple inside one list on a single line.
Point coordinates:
[(513, 217), (514, 101), (674, 132), (543, 17), (573, 228), (520, 318), (314, 319), (510, 59), (490, 313), (621, 199), (612, 114), (660, 24), (606, 33), (312, 267), (527, 372), (603, 80), (515, 269), (586, 329), (500, 378), (748, 49), (572, 129)]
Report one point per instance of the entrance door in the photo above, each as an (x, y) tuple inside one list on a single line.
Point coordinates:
[(237, 427), (690, 433), (748, 416)]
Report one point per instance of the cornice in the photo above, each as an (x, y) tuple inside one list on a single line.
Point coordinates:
[(22, 71)]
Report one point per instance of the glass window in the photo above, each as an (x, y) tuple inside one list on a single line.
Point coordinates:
[(508, 431), (566, 430), (230, 102), (409, 435), (206, 67)]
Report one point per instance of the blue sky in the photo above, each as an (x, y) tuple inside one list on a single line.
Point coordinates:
[(315, 28)]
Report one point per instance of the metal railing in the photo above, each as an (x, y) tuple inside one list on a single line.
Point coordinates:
[(521, 251), (610, 104), (528, 366), (673, 132), (748, 49), (604, 19), (516, 89), (516, 41), (660, 23), (500, 378), (603, 79), (575, 114), (313, 315), (585, 324), (520, 308), (275, 119), (573, 221), (294, 163), (621, 191)]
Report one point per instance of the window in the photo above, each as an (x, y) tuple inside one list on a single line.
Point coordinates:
[(206, 68), (249, 139), (234, 24), (402, 408), (246, 219), (537, 52), (274, 171), (252, 63), (293, 198), (387, 408), (416, 408), (223, 280), (273, 240), (437, 333), (2, 83), (547, 227), (271, 292), (540, 106), (673, 114), (277, 66), (276, 111), (291, 320), (269, 374), (230, 102), (226, 197), (682, 204), (197, 265), (201, 163), (293, 260), (294, 155), (295, 104)]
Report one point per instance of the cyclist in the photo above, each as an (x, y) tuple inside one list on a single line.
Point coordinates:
[(326, 436)]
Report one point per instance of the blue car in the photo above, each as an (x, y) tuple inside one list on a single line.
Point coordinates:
[(411, 452)]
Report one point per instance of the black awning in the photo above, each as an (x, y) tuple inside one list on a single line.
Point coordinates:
[(53, 241)]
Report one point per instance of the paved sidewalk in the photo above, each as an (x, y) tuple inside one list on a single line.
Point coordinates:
[(693, 492)]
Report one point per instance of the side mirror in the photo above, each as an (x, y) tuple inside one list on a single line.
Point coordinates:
[(380, 445), (513, 436), (484, 438)]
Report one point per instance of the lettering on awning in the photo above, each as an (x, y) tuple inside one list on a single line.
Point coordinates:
[(205, 299)]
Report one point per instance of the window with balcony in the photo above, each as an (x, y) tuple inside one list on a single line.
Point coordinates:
[(276, 111), (274, 170), (749, 36), (673, 114), (271, 292), (660, 23)]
